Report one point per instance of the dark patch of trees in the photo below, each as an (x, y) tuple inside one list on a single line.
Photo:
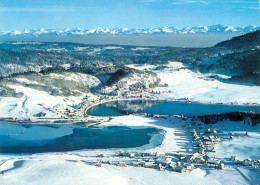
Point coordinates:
[(246, 41), (116, 76), (251, 117), (239, 62)]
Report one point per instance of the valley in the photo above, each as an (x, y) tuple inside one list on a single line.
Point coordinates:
[(70, 112)]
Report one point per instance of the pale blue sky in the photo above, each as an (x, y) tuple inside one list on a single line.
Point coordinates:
[(59, 14)]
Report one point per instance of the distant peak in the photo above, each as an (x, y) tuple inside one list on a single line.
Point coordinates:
[(212, 29)]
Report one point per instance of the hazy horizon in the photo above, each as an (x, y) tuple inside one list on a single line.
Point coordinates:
[(171, 40)]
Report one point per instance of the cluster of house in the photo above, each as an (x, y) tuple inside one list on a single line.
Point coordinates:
[(163, 85), (132, 86), (125, 86), (134, 93), (205, 142), (161, 161), (245, 162), (72, 113), (179, 162)]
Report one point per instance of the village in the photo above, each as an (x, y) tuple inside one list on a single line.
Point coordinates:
[(205, 139), (200, 151)]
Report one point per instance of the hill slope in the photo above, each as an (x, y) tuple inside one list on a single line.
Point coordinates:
[(245, 42)]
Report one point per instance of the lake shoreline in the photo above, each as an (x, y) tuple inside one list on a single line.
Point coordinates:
[(162, 107), (98, 118), (32, 138)]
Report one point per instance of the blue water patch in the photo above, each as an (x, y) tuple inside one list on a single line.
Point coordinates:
[(117, 108), (104, 111), (81, 138)]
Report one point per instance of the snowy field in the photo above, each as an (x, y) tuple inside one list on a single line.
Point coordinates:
[(55, 169), (176, 137), (36, 101), (242, 147), (32, 103), (183, 83)]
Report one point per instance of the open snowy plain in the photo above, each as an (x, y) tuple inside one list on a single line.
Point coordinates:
[(184, 83)]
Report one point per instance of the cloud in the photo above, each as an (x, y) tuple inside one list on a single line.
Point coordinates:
[(246, 2), (149, 1), (172, 2), (41, 9), (188, 2), (253, 8)]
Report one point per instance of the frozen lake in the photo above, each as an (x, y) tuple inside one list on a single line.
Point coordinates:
[(117, 108), (28, 138)]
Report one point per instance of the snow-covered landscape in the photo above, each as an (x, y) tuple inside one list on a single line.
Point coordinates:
[(140, 92), (86, 165), (182, 84), (185, 84), (81, 167)]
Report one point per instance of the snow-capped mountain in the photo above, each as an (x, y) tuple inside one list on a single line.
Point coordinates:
[(214, 29)]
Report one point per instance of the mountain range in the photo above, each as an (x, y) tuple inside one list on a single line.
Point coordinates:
[(213, 29)]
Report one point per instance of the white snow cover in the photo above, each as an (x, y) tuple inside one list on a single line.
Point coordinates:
[(112, 47), (89, 80), (81, 48), (162, 30), (183, 83), (32, 102), (141, 66), (56, 170), (35, 101), (242, 147), (139, 48), (26, 81), (174, 138), (57, 49)]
